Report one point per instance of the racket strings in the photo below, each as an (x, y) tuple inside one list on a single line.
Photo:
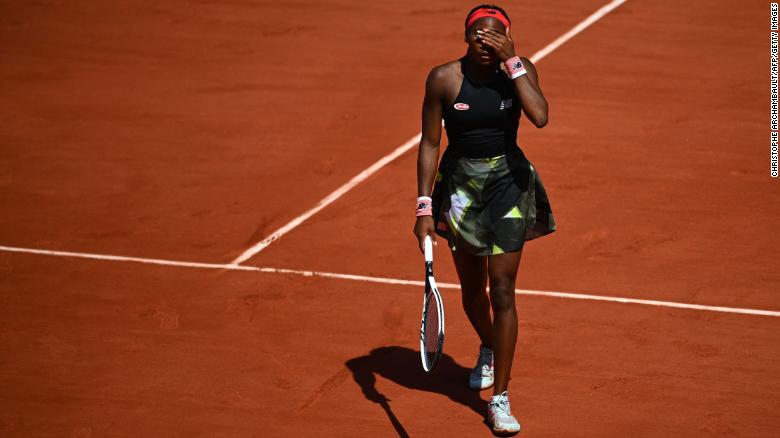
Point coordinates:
[(431, 329)]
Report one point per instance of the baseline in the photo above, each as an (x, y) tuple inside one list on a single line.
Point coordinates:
[(384, 280)]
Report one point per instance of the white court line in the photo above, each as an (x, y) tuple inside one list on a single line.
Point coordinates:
[(362, 176), (357, 179), (115, 258), (385, 280), (604, 10), (570, 295)]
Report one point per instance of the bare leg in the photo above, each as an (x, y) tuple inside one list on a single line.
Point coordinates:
[(502, 271), (472, 272)]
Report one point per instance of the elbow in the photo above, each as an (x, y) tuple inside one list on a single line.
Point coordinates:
[(540, 122), (538, 116)]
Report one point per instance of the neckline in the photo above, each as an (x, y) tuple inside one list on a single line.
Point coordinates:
[(490, 80)]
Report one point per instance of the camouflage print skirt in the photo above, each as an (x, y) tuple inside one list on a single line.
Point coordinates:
[(488, 206)]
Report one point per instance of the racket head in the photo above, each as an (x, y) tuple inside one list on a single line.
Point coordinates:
[(432, 330)]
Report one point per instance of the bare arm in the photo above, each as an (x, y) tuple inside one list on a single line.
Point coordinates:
[(428, 151), (531, 98), (530, 94)]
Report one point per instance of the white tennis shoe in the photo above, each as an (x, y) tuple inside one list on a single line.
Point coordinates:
[(481, 376), (500, 417)]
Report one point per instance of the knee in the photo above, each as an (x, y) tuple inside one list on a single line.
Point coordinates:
[(502, 296), (470, 295)]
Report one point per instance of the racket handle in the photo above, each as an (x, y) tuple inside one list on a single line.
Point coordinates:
[(428, 247)]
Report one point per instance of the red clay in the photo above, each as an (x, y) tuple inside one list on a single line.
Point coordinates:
[(191, 130)]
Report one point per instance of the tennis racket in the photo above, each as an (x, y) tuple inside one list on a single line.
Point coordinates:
[(432, 329)]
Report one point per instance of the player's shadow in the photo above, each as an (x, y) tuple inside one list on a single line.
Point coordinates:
[(402, 366)]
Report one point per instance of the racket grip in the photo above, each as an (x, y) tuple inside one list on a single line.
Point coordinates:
[(428, 247)]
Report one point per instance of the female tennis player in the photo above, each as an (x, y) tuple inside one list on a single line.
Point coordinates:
[(487, 198)]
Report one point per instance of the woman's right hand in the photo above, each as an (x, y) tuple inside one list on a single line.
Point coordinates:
[(424, 227)]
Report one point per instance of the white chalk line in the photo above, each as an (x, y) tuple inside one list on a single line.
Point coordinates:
[(324, 202), (400, 150), (584, 24), (384, 280), (116, 258)]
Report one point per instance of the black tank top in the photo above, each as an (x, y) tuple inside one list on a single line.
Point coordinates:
[(483, 120)]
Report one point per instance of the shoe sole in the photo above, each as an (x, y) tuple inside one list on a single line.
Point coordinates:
[(479, 388), (500, 432)]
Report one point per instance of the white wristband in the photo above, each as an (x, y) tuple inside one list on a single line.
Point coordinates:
[(515, 68), (424, 206), (518, 74)]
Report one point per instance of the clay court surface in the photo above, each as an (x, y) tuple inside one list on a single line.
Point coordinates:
[(190, 131)]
